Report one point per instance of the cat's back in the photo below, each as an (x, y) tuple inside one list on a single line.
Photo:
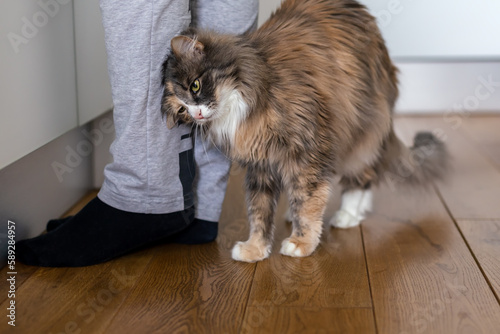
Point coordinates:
[(331, 47), (318, 24), (333, 36)]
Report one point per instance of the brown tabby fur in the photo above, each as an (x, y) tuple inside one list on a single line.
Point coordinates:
[(319, 89)]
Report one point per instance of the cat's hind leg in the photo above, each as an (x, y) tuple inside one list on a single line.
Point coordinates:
[(308, 198), (356, 203)]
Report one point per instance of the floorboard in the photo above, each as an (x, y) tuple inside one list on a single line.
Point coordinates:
[(422, 275), (274, 320), (62, 300), (484, 240), (484, 131)]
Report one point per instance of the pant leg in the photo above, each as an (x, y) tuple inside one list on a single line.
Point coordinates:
[(152, 169), (225, 16)]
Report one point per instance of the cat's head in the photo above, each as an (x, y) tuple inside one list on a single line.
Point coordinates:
[(200, 79)]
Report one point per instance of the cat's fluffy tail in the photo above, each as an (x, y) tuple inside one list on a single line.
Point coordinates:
[(416, 166)]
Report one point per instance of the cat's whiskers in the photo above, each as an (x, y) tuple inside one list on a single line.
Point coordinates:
[(199, 127)]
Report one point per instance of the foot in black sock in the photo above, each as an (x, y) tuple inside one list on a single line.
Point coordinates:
[(55, 223), (99, 233), (199, 232)]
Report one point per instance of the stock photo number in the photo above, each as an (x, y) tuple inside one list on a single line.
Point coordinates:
[(11, 274)]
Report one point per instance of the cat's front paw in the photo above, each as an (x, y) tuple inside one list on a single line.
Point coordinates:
[(250, 252), (297, 248), (345, 219)]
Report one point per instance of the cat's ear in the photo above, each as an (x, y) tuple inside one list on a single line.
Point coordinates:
[(186, 46), (167, 112), (170, 121)]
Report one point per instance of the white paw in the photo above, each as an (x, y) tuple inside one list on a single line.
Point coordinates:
[(291, 249), (247, 252), (344, 219)]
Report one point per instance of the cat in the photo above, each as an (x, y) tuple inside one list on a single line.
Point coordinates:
[(305, 98)]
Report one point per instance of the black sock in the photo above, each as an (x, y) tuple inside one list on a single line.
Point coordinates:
[(199, 232), (55, 223), (99, 233)]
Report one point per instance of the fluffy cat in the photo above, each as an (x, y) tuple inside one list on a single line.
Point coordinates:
[(307, 97)]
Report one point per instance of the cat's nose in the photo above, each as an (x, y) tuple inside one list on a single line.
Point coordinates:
[(198, 114)]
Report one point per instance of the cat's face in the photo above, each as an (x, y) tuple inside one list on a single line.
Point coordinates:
[(197, 87)]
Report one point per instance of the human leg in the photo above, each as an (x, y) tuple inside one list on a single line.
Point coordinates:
[(147, 194)]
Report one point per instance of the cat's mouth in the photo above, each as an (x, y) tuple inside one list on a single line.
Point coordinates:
[(201, 120)]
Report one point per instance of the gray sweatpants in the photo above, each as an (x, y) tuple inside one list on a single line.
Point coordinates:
[(153, 168)]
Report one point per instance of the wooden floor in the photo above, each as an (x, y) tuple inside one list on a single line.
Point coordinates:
[(421, 263)]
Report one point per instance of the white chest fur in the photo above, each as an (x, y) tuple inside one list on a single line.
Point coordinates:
[(233, 110)]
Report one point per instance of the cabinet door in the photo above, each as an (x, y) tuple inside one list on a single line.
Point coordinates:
[(37, 75), (94, 91)]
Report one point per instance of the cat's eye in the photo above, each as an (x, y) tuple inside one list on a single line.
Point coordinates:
[(181, 110), (195, 86)]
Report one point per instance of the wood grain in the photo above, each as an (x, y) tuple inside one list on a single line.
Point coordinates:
[(188, 289), (55, 300), (308, 320), (422, 275), (473, 187), (23, 273), (483, 238), (485, 133)]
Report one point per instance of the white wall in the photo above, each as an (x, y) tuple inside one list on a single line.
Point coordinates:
[(266, 7), (440, 29), (432, 29), (447, 51)]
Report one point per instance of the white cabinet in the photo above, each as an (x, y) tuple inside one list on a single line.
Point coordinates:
[(94, 91), (45, 88), (37, 75)]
